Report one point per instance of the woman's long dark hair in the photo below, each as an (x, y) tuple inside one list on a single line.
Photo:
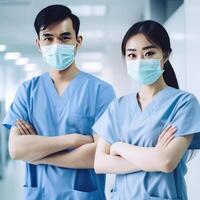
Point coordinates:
[(156, 34)]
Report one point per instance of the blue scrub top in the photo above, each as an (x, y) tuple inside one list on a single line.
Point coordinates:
[(124, 121), (81, 104)]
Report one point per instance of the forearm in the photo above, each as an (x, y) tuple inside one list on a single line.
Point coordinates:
[(145, 158), (81, 158), (35, 147), (110, 164)]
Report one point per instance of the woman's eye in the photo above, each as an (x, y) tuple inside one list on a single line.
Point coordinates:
[(131, 55), (150, 53)]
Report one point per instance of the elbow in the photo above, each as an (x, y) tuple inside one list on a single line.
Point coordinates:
[(15, 151), (98, 166), (14, 154), (168, 166)]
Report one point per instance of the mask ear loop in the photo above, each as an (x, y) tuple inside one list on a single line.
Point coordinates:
[(164, 57)]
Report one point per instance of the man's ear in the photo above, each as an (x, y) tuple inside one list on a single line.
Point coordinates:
[(79, 41), (38, 44)]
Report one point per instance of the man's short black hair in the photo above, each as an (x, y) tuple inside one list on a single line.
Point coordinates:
[(52, 14)]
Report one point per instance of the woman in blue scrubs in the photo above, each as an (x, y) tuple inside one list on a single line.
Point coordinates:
[(145, 137), (60, 107)]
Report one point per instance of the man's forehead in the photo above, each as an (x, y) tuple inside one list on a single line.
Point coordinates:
[(64, 26)]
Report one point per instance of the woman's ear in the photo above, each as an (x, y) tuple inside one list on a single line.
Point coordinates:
[(165, 58)]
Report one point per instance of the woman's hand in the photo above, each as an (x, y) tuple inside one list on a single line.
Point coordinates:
[(114, 147), (25, 128), (166, 136), (164, 139)]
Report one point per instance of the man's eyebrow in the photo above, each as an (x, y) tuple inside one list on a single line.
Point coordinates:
[(47, 34), (65, 34)]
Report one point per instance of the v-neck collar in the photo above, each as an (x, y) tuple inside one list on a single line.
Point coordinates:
[(155, 102), (52, 91)]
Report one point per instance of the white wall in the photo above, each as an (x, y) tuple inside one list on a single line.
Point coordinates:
[(183, 27), (192, 30)]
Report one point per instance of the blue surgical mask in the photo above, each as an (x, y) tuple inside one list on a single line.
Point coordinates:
[(58, 56), (144, 71)]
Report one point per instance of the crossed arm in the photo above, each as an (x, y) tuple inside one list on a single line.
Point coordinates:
[(25, 144), (121, 158)]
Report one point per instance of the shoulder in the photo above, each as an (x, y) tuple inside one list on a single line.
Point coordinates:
[(123, 103), (95, 81), (182, 100), (31, 84), (183, 96)]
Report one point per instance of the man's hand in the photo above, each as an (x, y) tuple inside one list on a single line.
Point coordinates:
[(25, 128), (77, 139)]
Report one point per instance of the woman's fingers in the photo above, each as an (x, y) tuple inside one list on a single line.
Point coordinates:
[(169, 140), (166, 136), (168, 131), (164, 131)]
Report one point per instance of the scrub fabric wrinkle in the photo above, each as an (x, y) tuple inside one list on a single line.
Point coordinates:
[(75, 111), (124, 121)]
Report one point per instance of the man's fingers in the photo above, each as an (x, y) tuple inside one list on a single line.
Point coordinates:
[(28, 127), (22, 131), (24, 127)]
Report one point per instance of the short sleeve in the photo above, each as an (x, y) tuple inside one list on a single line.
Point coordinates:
[(105, 96), (187, 120), (18, 108), (106, 124)]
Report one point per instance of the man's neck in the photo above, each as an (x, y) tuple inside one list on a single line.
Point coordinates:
[(64, 75)]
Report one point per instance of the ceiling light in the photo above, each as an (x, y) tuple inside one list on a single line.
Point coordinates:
[(30, 67), (2, 47), (12, 56), (22, 61)]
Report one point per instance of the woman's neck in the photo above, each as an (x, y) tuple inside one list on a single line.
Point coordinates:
[(147, 92)]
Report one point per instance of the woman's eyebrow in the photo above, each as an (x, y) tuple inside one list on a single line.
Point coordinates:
[(148, 47), (144, 48)]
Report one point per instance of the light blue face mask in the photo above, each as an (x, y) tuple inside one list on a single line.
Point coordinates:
[(58, 56), (144, 71)]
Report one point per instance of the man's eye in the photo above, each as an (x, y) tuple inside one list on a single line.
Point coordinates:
[(65, 38), (48, 39)]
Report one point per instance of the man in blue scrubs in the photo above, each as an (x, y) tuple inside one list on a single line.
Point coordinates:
[(51, 116)]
